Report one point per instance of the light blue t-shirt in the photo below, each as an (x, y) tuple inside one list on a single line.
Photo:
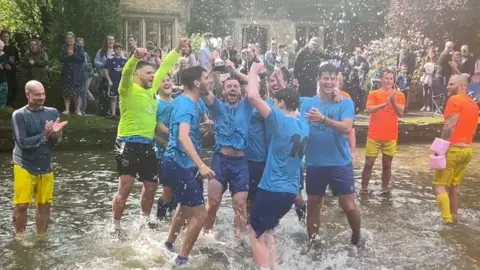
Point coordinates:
[(258, 137), (184, 110), (326, 146), (164, 110), (285, 153), (231, 123)]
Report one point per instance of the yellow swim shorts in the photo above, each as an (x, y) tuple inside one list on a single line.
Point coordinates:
[(457, 160), (388, 148), (25, 184)]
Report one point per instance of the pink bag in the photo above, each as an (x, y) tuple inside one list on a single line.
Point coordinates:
[(438, 162), (440, 146)]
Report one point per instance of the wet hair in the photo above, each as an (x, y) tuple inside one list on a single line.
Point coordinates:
[(142, 64), (290, 97), (328, 68), (231, 79), (117, 46), (192, 74), (386, 71)]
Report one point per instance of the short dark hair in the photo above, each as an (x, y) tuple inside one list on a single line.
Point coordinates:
[(192, 74), (117, 46), (142, 64), (386, 71), (281, 46), (290, 96), (329, 68)]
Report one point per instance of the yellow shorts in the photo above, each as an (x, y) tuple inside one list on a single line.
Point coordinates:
[(457, 160), (25, 184), (388, 148)]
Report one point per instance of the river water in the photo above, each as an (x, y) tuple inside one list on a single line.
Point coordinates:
[(402, 231)]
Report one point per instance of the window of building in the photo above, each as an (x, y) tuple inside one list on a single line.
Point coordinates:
[(160, 32), (304, 33)]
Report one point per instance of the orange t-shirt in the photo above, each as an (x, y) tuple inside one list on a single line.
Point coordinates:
[(467, 111), (384, 123), (345, 94)]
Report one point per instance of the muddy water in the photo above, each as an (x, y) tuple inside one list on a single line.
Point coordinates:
[(402, 231)]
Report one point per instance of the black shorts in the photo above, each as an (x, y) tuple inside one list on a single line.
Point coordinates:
[(137, 160)]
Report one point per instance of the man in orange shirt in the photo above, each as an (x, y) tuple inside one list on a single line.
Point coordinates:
[(385, 106), (461, 120)]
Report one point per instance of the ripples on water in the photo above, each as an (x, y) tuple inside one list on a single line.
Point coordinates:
[(402, 231)]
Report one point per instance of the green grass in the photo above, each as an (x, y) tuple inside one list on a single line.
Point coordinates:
[(422, 120), (74, 122)]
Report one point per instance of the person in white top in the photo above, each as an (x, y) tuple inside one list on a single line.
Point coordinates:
[(427, 78)]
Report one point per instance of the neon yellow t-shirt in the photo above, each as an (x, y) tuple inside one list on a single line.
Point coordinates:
[(138, 106)]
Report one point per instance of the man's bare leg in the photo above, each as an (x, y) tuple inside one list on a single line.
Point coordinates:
[(240, 209), (178, 222), (147, 197), (300, 207), (386, 171), (261, 253), (455, 197), (347, 202), (367, 172), (215, 191), (197, 219), (314, 205), (120, 199), (42, 218), (20, 218)]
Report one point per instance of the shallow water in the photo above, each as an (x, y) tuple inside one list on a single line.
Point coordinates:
[(402, 231)]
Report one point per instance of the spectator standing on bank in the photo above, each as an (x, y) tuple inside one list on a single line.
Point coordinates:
[(101, 58), (88, 67), (11, 70)]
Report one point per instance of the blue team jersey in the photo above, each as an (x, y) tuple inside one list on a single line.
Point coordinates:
[(184, 110), (115, 66), (164, 111), (285, 153), (231, 123), (258, 137), (326, 146)]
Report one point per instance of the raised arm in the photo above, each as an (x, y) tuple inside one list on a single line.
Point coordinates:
[(170, 60), (126, 81), (253, 88), (20, 133)]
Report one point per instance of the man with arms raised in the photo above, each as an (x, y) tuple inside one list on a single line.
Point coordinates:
[(231, 123), (454, 147), (134, 152), (182, 162), (385, 106), (280, 181), (36, 130), (327, 156)]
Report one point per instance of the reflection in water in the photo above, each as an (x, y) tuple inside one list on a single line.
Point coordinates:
[(402, 231)]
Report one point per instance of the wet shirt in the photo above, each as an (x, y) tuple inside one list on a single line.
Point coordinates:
[(285, 152), (231, 123), (138, 106), (184, 110), (327, 146), (32, 150), (115, 66), (258, 137), (467, 110), (164, 110), (384, 123)]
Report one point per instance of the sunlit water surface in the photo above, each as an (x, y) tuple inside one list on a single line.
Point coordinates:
[(402, 231)]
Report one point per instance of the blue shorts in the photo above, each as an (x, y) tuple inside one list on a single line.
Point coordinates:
[(339, 178), (255, 171), (232, 172), (188, 190), (268, 208), (162, 179)]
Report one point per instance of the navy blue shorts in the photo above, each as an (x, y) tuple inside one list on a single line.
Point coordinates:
[(268, 208), (232, 172), (339, 178), (188, 190), (255, 171), (162, 179)]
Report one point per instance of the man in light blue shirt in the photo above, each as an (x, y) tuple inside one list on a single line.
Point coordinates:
[(328, 158)]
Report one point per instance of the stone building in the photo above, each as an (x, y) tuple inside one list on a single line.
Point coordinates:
[(164, 21)]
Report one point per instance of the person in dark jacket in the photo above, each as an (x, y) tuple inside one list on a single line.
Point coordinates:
[(13, 62), (306, 66), (467, 62), (73, 73), (35, 62)]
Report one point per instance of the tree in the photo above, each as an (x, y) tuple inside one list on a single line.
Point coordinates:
[(439, 20)]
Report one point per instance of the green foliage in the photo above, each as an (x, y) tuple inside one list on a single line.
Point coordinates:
[(196, 42), (17, 19)]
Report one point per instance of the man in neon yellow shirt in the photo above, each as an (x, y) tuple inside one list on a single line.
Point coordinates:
[(134, 151)]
